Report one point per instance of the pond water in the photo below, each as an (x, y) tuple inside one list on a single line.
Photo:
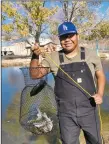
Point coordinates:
[(11, 85), (9, 90)]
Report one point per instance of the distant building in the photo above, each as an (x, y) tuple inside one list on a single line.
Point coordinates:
[(22, 48), (17, 49), (50, 43)]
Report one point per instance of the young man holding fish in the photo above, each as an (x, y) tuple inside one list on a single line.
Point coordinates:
[(77, 95)]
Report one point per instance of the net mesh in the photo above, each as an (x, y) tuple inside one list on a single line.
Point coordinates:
[(38, 111)]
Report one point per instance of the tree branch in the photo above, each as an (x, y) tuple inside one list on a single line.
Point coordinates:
[(94, 26), (72, 11)]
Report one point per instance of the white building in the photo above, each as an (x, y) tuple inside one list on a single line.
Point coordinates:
[(23, 48), (17, 48)]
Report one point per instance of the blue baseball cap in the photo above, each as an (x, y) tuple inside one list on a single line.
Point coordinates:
[(66, 28)]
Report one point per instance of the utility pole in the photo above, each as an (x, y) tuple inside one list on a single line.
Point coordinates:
[(97, 46)]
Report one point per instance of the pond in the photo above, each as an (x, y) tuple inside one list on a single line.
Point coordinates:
[(12, 89)]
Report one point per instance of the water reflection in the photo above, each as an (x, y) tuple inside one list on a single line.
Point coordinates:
[(15, 78), (105, 64), (105, 105)]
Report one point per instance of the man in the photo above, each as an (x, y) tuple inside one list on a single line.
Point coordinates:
[(76, 109)]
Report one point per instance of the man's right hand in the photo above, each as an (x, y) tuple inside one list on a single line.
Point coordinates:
[(36, 70), (36, 49)]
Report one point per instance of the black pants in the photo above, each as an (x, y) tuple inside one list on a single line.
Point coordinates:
[(70, 129)]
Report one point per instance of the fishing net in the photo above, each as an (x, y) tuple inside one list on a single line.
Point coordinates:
[(37, 105)]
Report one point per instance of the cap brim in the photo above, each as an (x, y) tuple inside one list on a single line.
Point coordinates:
[(74, 32)]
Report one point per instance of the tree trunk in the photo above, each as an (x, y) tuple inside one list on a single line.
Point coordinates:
[(37, 36)]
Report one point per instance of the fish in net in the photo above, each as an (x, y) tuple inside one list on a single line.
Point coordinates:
[(37, 105)]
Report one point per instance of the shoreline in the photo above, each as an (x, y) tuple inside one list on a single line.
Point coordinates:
[(19, 62), (15, 62)]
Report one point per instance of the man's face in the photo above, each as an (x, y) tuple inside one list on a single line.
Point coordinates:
[(69, 42)]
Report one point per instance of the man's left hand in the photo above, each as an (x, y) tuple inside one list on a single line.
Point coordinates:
[(98, 98)]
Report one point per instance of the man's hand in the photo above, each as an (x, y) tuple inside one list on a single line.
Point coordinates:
[(36, 49), (98, 98)]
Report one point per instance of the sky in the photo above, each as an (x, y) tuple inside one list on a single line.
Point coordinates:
[(104, 7), (104, 4)]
